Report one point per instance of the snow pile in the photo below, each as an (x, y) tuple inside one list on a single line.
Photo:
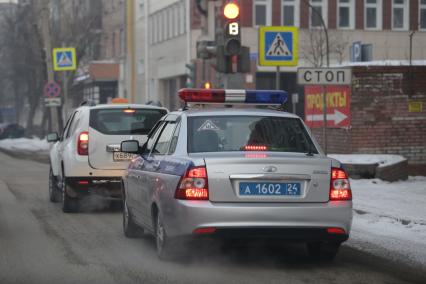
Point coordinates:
[(390, 218), (384, 63), (25, 144), (368, 159)]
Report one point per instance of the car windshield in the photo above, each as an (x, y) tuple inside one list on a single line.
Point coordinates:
[(242, 133), (124, 121)]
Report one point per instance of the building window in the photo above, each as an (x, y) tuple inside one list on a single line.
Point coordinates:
[(320, 7), (175, 20), (400, 14), (141, 8), (262, 12), (158, 27), (290, 13), (151, 25), (346, 14), (165, 24), (182, 18), (422, 15), (373, 14)]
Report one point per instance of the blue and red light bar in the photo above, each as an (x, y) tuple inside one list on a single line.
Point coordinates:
[(256, 97)]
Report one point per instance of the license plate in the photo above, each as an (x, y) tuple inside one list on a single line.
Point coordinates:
[(269, 189), (121, 156)]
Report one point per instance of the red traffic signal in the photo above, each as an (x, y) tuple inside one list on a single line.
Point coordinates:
[(207, 85), (231, 11)]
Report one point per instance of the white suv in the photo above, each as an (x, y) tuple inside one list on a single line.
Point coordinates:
[(86, 158)]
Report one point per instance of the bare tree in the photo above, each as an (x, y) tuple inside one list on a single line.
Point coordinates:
[(315, 51), (23, 57), (79, 27)]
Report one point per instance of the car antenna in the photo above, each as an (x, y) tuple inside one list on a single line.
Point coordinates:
[(185, 107), (310, 143)]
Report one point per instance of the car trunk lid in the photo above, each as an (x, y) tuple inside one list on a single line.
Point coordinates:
[(265, 177)]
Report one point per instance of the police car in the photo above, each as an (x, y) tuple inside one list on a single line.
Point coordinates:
[(86, 159), (235, 172)]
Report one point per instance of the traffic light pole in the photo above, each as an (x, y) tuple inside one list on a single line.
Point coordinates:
[(277, 78)]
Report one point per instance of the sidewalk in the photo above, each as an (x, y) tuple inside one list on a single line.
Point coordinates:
[(390, 218)]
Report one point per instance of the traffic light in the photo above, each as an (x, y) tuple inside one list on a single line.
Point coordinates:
[(190, 80), (232, 30), (207, 85)]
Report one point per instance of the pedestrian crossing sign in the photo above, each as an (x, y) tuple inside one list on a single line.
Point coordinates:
[(278, 46), (64, 59)]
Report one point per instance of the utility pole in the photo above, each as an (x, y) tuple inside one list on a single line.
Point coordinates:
[(131, 58), (411, 63), (45, 16), (324, 88)]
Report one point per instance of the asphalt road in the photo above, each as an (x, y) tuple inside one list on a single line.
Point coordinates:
[(40, 244)]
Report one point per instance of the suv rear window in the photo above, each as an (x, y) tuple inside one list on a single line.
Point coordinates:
[(241, 133), (124, 121)]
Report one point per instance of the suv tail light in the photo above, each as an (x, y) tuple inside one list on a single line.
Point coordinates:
[(193, 185), (339, 185), (83, 144)]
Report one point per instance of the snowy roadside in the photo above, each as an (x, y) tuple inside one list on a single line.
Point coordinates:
[(390, 219), (35, 148)]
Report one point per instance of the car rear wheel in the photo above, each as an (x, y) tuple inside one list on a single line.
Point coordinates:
[(69, 204), (54, 190), (323, 250), (131, 230), (165, 249)]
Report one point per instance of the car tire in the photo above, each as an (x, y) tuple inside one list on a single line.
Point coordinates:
[(165, 248), (54, 191), (69, 204), (325, 251), (130, 228)]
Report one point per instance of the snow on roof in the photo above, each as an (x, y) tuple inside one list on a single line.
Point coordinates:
[(368, 159), (384, 63)]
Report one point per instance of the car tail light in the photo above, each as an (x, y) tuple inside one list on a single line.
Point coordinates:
[(255, 148), (339, 185), (337, 231), (193, 185), (83, 144), (129, 110), (206, 230)]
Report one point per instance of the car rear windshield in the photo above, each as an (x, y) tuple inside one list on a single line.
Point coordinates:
[(245, 133), (124, 121)]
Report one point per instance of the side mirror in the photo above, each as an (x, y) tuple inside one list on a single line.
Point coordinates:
[(52, 137), (130, 146)]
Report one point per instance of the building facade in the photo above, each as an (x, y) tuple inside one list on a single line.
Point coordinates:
[(167, 32)]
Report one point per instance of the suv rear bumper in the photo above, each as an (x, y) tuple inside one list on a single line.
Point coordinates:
[(107, 187)]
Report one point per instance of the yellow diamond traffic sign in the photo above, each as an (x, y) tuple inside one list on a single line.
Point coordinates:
[(278, 46), (64, 59)]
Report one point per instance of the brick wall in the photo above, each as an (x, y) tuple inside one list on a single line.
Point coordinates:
[(387, 15), (381, 123), (332, 14), (195, 16), (359, 14), (276, 12), (414, 15), (246, 13)]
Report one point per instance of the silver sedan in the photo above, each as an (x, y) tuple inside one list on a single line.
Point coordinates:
[(235, 173)]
